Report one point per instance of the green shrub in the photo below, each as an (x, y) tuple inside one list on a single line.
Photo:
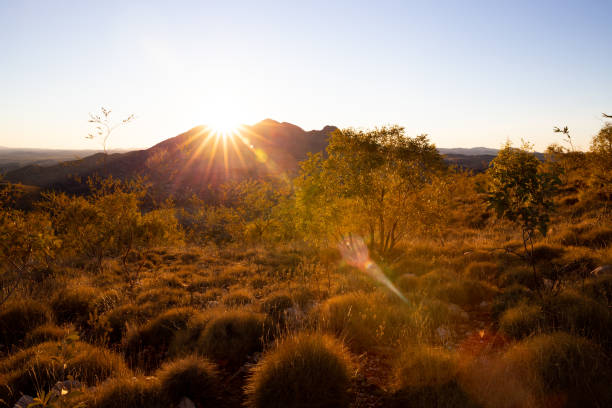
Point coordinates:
[(482, 271), (128, 393), (19, 317), (521, 321), (193, 377), (147, 346), (74, 305), (308, 370), (559, 363), (230, 338), (427, 377)]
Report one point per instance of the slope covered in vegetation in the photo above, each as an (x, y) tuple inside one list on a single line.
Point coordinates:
[(377, 277)]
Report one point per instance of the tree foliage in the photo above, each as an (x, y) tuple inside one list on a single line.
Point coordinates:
[(368, 183)]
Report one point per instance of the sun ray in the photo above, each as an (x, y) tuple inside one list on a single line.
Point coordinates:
[(224, 138)]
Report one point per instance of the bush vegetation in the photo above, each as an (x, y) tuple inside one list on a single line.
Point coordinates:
[(241, 296), (306, 370)]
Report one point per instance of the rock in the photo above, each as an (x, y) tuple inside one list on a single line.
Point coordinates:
[(602, 270), (443, 332), (23, 402), (62, 387), (186, 403)]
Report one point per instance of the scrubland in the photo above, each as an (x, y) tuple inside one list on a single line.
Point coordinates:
[(248, 301)]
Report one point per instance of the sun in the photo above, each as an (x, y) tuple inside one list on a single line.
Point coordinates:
[(224, 126)]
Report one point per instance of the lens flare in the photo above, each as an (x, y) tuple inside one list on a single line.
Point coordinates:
[(355, 252)]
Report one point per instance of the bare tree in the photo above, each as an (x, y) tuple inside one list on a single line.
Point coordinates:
[(104, 126)]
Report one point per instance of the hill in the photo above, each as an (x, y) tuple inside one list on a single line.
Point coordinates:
[(192, 160)]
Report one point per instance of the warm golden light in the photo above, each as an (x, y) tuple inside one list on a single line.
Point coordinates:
[(224, 126)]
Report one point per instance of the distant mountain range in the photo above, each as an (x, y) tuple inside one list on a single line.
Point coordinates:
[(196, 159), (12, 158)]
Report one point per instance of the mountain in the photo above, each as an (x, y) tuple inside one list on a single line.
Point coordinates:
[(193, 160), (469, 151)]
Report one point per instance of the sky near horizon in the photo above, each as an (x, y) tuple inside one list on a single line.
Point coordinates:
[(468, 73)]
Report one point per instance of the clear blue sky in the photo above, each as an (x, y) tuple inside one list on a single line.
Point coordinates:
[(468, 73)]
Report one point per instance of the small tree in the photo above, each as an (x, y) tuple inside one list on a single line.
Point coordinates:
[(104, 126), (27, 242), (521, 190), (601, 162), (368, 184)]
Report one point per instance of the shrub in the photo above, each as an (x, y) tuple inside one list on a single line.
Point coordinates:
[(407, 282), (308, 370), (305, 297), (367, 320), (509, 297), (229, 338), (519, 276), (41, 366), (190, 258), (521, 321), (114, 323), (435, 277), (258, 282), (147, 345), (596, 237), (599, 288), (193, 377), (580, 315), (237, 298), (482, 270), (427, 377), (74, 305), (276, 304), (128, 393), (185, 340), (19, 317), (559, 363), (45, 333), (464, 292), (163, 297), (546, 253)]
